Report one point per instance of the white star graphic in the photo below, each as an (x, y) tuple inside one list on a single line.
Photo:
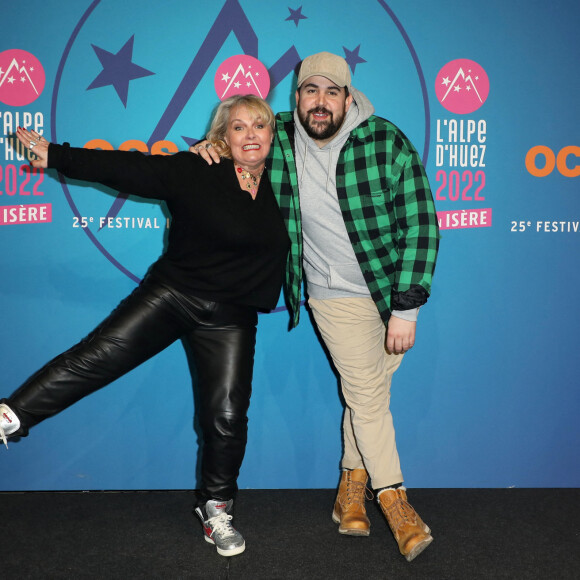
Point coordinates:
[(248, 84), (31, 69), (446, 81), (237, 85), (467, 88), (457, 88), (11, 80), (226, 77), (22, 80)]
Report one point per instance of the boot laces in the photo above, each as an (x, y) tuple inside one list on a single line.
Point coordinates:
[(401, 512), (355, 492), (221, 525)]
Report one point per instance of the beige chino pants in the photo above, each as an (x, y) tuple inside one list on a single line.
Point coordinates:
[(355, 337)]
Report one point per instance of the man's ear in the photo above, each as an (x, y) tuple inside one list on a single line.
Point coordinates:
[(347, 103)]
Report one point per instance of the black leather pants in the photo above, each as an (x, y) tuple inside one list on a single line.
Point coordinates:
[(221, 338)]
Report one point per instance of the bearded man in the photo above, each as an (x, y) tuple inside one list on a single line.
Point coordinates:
[(360, 213)]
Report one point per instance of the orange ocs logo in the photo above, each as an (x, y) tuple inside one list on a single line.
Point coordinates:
[(541, 161)]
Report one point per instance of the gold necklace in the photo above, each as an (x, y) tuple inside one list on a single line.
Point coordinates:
[(252, 180)]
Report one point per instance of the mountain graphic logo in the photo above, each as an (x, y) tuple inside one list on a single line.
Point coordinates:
[(241, 75), (22, 78), (174, 104), (462, 86)]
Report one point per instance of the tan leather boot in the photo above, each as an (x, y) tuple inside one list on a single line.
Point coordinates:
[(411, 533), (349, 507)]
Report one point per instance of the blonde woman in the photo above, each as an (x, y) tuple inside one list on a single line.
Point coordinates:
[(224, 261)]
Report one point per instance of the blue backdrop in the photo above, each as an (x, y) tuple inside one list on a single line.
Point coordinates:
[(489, 395)]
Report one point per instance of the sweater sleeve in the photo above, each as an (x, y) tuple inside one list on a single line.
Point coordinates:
[(131, 172)]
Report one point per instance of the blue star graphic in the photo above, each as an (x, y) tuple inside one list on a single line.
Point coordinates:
[(118, 70), (296, 15), (352, 57)]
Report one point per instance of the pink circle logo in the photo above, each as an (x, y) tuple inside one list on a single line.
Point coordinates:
[(462, 86), (22, 78), (241, 75)]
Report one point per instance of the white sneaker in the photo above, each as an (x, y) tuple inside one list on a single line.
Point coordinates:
[(9, 422), (218, 529)]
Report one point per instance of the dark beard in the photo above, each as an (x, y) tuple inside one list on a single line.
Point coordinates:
[(320, 131)]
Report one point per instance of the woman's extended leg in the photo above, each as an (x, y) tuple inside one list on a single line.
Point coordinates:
[(143, 324)]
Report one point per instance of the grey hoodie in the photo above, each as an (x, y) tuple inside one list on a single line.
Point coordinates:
[(330, 265)]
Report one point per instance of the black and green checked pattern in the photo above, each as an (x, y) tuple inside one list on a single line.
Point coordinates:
[(387, 207)]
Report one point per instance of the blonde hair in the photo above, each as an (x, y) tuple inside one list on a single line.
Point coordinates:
[(256, 107)]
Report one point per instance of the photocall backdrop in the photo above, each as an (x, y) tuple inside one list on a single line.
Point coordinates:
[(488, 93)]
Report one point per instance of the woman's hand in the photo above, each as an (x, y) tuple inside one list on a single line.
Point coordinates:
[(206, 150), (37, 144)]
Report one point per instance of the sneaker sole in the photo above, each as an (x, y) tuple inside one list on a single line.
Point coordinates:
[(349, 531), (418, 549), (232, 552)]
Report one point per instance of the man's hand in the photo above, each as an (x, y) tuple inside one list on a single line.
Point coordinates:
[(400, 335), (206, 150)]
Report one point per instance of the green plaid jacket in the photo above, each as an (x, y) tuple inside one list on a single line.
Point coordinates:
[(387, 207)]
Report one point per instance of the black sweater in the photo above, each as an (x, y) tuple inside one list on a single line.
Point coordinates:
[(223, 246)]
